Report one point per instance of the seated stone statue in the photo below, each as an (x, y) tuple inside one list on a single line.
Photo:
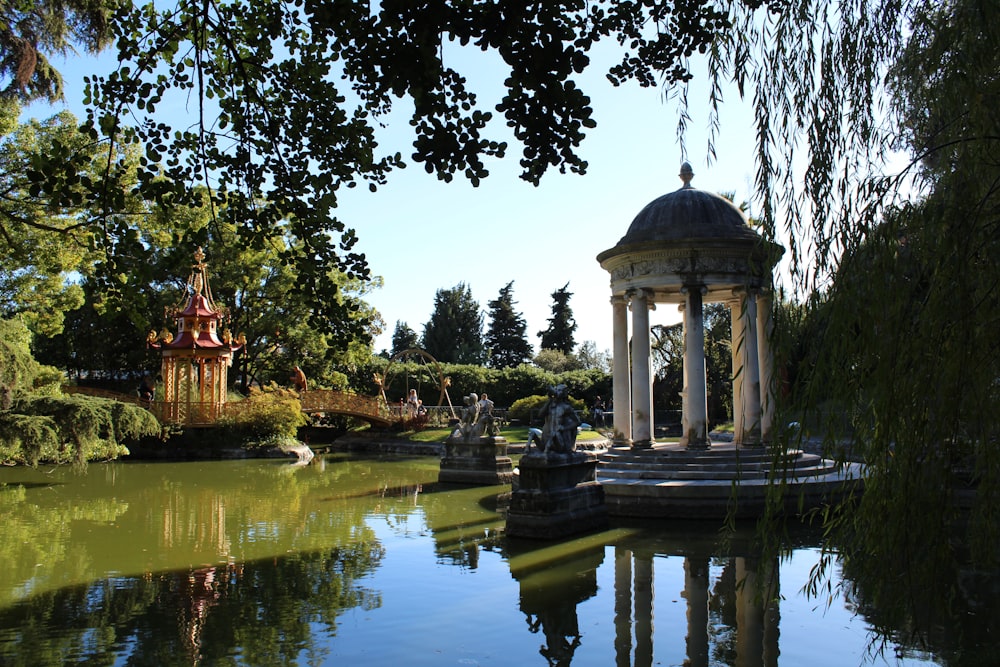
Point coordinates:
[(561, 422)]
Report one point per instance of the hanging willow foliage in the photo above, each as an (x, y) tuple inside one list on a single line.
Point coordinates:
[(898, 269)]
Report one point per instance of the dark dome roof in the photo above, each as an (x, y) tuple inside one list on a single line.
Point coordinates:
[(688, 213)]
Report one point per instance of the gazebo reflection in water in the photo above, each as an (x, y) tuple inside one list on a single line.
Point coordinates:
[(732, 602)]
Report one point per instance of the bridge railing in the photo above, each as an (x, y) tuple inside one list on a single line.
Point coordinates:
[(325, 400)]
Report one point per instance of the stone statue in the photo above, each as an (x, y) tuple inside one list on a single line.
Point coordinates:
[(467, 427), (486, 424), (561, 423)]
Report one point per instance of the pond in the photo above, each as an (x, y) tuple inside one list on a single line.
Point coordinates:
[(368, 561)]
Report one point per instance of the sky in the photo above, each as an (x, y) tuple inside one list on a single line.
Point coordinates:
[(421, 235)]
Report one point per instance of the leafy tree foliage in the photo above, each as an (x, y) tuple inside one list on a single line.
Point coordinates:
[(898, 376), (18, 368), (559, 334), (267, 417), (285, 98), (257, 290), (506, 338), (455, 331), (589, 357), (668, 359), (556, 361), (404, 338), (35, 269)]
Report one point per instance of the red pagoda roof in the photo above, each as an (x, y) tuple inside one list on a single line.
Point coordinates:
[(198, 321)]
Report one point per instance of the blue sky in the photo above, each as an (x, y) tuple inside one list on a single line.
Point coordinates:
[(421, 234)]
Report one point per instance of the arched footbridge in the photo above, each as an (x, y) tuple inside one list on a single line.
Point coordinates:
[(326, 401)]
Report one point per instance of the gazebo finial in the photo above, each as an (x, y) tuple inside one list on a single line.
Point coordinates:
[(686, 173)]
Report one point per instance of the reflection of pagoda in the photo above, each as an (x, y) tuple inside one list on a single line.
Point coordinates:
[(195, 361)]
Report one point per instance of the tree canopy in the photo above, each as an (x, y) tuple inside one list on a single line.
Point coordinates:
[(403, 338), (283, 100), (32, 32), (454, 333), (559, 334), (506, 338)]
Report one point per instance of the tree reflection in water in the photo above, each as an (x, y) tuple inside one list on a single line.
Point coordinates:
[(261, 611)]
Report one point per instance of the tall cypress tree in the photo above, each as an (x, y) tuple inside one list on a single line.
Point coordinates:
[(455, 331), (507, 338), (559, 335), (404, 338)]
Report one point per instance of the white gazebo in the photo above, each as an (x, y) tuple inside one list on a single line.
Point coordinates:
[(690, 248)]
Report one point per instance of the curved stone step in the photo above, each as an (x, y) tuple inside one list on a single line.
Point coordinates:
[(670, 481)]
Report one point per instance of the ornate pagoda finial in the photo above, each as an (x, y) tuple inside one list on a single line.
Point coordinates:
[(686, 173), (199, 270)]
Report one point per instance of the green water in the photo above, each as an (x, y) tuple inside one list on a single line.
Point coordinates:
[(362, 561)]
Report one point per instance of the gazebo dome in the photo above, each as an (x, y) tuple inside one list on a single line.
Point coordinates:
[(690, 237), (688, 213)]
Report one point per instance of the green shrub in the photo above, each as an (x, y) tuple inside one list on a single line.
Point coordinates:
[(525, 408), (264, 417)]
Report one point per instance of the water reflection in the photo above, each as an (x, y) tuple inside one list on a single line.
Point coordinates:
[(548, 598), (249, 563), (733, 622), (265, 612)]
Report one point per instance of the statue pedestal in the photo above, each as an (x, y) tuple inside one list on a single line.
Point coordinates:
[(481, 461), (556, 495)]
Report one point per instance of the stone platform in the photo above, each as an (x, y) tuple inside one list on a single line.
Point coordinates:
[(481, 461), (670, 481), (556, 496)]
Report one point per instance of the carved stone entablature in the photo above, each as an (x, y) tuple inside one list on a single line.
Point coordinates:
[(682, 265)]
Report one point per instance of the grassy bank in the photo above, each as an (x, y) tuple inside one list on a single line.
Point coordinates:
[(517, 434)]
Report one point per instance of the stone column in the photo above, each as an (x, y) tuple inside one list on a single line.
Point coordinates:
[(621, 395), (696, 424), (751, 370), (684, 375), (765, 355), (642, 384), (739, 409), (623, 607)]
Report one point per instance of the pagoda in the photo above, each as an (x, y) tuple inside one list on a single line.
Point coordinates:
[(195, 360)]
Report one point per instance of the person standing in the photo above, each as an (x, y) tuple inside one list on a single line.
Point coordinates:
[(597, 411), (413, 403)]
